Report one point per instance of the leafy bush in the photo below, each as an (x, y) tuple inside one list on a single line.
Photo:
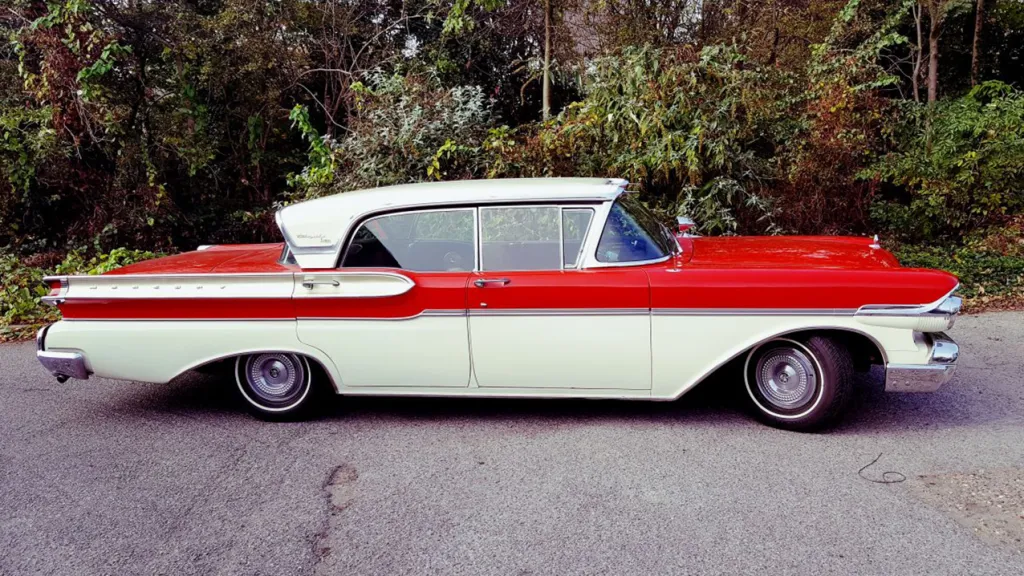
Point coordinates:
[(406, 129), (961, 164), (990, 264), (696, 130)]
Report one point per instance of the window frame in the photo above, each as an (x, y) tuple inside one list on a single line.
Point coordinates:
[(474, 210), (581, 253), (480, 236), (590, 260)]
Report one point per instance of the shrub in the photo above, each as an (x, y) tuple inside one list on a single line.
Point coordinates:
[(961, 164)]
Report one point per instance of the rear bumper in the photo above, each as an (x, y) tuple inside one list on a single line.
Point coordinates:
[(63, 364), (928, 377)]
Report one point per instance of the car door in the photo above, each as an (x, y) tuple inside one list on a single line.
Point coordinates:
[(394, 313), (538, 321)]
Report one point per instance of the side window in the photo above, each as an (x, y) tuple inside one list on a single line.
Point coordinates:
[(428, 241), (520, 238), (575, 223)]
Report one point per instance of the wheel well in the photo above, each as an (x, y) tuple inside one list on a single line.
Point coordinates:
[(321, 376), (864, 350)]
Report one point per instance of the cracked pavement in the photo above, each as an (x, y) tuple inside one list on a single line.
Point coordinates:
[(104, 477)]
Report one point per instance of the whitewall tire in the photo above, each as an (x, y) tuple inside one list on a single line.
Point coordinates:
[(275, 385), (799, 384)]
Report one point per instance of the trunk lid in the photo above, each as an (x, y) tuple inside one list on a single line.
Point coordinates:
[(224, 259)]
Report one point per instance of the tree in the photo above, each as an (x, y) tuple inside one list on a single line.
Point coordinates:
[(979, 19)]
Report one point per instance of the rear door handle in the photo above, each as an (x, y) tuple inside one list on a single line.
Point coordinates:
[(485, 281), (310, 283)]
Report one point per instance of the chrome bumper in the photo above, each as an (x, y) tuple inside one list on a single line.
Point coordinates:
[(63, 364), (925, 377)]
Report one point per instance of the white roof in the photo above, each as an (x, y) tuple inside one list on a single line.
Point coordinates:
[(320, 226)]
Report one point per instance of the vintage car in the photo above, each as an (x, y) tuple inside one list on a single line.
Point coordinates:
[(536, 288)]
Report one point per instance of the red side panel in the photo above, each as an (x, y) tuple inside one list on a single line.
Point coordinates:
[(608, 288), (179, 309), (697, 288)]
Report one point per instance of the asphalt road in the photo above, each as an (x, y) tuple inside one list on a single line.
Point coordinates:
[(103, 477)]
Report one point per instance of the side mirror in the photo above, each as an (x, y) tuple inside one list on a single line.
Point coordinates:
[(685, 224)]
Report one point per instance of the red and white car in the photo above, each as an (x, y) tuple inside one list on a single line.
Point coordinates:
[(512, 288)]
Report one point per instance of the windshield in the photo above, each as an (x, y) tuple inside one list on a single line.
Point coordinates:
[(633, 234)]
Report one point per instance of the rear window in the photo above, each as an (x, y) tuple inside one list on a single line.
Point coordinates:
[(426, 241)]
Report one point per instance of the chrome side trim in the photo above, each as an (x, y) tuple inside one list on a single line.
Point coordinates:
[(424, 314), (913, 309), (560, 312), (925, 377), (212, 275), (753, 311), (61, 294)]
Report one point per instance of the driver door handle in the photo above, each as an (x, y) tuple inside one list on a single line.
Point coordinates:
[(485, 281)]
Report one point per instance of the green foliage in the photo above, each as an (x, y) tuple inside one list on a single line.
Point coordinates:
[(405, 129), (319, 170), (696, 130), (962, 171)]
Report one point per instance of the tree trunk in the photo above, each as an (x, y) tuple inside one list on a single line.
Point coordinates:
[(979, 18), (546, 95), (918, 54), (935, 29)]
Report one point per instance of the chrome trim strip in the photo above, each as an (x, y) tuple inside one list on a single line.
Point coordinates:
[(61, 296), (358, 219), (41, 338), (232, 319), (906, 309), (753, 312), (598, 264), (424, 314), (115, 277), (560, 312)]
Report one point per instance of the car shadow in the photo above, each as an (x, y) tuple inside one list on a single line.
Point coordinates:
[(718, 400)]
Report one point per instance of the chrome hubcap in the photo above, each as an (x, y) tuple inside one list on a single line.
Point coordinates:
[(275, 378), (786, 377)]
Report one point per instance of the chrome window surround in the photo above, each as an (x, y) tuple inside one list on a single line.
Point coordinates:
[(586, 233), (337, 248)]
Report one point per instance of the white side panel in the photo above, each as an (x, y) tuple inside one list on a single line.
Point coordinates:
[(553, 351), (425, 351), (157, 351), (686, 348)]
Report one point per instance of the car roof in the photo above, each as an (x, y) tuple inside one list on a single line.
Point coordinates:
[(320, 226)]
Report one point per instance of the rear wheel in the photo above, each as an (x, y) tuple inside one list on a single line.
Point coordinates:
[(275, 385), (799, 384)]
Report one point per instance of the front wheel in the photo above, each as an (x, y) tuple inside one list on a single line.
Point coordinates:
[(275, 385), (799, 384)]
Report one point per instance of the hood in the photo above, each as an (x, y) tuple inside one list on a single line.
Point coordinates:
[(224, 259), (835, 252)]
